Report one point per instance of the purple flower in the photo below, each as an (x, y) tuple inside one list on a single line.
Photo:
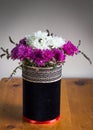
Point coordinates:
[(38, 57), (48, 55), (14, 52), (22, 41), (59, 55), (41, 57), (24, 52), (21, 52), (70, 49)]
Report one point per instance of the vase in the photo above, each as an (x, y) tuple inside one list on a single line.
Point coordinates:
[(41, 93)]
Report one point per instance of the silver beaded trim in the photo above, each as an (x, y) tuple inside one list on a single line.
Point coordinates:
[(41, 74)]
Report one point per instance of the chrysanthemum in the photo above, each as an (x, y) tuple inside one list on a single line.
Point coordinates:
[(70, 49), (59, 55)]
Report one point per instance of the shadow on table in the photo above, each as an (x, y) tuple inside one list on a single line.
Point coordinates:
[(10, 112)]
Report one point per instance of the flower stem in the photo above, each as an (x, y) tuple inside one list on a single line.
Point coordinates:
[(14, 71), (79, 43), (12, 41), (85, 56), (6, 53)]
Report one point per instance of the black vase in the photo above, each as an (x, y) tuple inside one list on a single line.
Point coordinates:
[(41, 94)]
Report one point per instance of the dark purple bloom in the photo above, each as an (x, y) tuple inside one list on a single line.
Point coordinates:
[(14, 53), (48, 55), (22, 41), (59, 55), (70, 49), (38, 57)]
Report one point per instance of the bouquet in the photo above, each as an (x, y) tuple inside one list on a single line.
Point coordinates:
[(42, 49)]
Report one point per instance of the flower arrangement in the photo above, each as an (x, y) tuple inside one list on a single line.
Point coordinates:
[(42, 49)]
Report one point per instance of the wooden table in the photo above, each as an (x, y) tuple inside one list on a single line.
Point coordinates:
[(76, 106)]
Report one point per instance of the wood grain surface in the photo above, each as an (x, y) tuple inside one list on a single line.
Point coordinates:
[(76, 106)]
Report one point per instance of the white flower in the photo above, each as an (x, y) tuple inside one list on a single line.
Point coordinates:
[(56, 42), (40, 34), (41, 40)]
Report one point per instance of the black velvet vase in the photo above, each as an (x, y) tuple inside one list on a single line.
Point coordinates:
[(41, 94)]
